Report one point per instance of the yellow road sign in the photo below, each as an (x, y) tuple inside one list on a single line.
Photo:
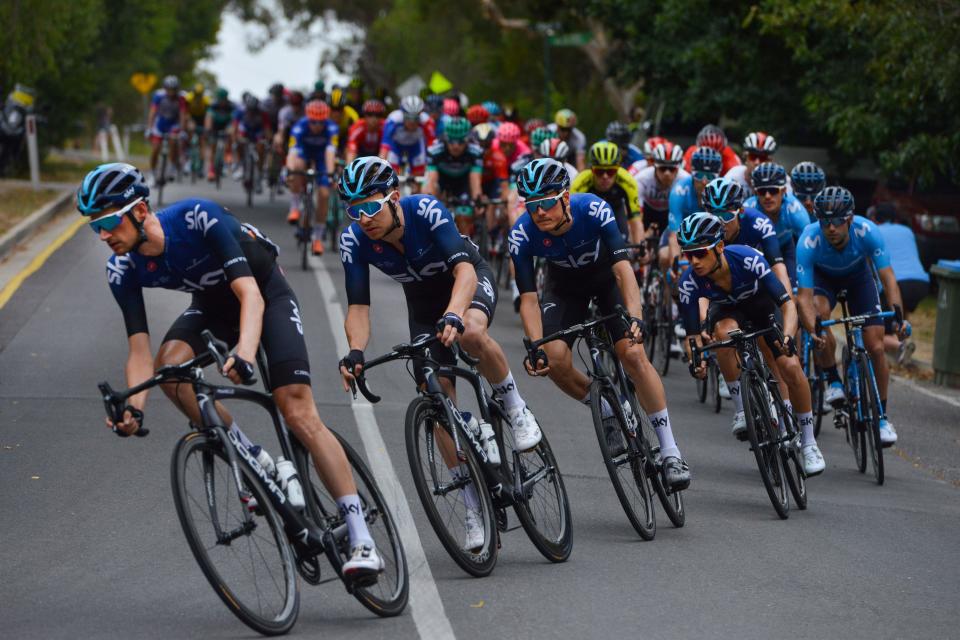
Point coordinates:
[(439, 84), (143, 82)]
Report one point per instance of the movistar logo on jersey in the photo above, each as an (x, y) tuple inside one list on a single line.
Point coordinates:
[(348, 240), (861, 230), (812, 242), (755, 264), (602, 211), (197, 219), (681, 189), (117, 267), (430, 209), (517, 236)]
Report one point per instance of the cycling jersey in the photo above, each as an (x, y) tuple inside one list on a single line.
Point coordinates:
[(312, 144), (251, 124), (633, 155), (750, 277), (496, 171), (406, 145), (272, 107), (197, 106), (757, 231), (288, 116), (654, 198), (591, 244), (682, 202), (622, 196), (347, 120), (901, 245), (791, 221), (865, 246), (363, 140), (729, 156), (221, 114), (168, 110), (454, 171)]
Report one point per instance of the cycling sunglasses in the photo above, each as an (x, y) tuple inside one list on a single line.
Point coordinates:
[(767, 191), (113, 220), (726, 216), (756, 157), (605, 172), (667, 168), (369, 208), (696, 253), (832, 222), (543, 203), (704, 175)]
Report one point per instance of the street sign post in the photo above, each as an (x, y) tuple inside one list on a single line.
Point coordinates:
[(32, 155)]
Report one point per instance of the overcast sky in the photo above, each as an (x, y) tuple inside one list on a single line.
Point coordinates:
[(239, 70)]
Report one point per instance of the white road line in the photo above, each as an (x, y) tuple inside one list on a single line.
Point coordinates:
[(425, 603), (925, 391)]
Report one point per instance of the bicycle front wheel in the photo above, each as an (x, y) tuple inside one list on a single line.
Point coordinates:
[(870, 410), (671, 501), (447, 494), (714, 376), (626, 468), (248, 562), (665, 332), (762, 433)]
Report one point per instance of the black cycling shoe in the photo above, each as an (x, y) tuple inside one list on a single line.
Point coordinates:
[(615, 442), (677, 473)]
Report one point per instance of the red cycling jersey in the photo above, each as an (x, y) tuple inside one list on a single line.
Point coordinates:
[(520, 149), (363, 140), (730, 159), (495, 166)]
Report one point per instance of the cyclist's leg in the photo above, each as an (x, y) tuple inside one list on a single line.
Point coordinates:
[(863, 298), (559, 309), (720, 323), (296, 183)]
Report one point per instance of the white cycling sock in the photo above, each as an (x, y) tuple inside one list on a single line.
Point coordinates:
[(806, 428), (295, 201), (470, 497), (244, 440), (507, 389), (352, 511), (661, 424), (734, 389), (605, 409)]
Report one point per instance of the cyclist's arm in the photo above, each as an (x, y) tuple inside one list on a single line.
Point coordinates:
[(789, 311), (251, 316), (464, 286), (139, 366), (622, 271), (431, 186), (357, 326), (808, 312), (330, 159), (530, 315), (772, 286), (476, 184), (890, 287)]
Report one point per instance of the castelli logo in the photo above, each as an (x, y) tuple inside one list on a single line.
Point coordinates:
[(151, 266), (547, 242), (378, 248)]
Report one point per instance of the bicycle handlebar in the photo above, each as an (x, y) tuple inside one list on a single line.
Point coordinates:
[(735, 338), (577, 329)]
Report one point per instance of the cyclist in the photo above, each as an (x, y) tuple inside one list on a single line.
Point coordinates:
[(713, 136), (319, 92), (654, 184), (355, 94), (455, 168), (239, 293), (168, 117), (741, 288), (275, 101), (413, 240), (288, 116), (586, 258), (842, 252), (433, 104), (217, 123), (649, 145), (758, 147), (508, 141), (251, 124), (565, 125), (557, 149), (313, 141), (789, 217), (808, 180), (197, 104), (366, 135), (532, 125), (477, 114), (619, 133), (496, 113), (686, 195), (407, 133), (607, 179), (343, 115)]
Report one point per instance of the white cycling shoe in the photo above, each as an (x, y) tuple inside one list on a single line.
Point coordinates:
[(813, 463), (888, 436), (474, 531), (364, 565), (834, 393), (526, 431), (739, 425)]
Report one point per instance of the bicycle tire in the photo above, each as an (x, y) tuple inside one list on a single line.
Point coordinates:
[(665, 329), (671, 501), (856, 432), (714, 373), (422, 415), (248, 177), (306, 232), (759, 426), (816, 396), (211, 449), (162, 179), (633, 490), (555, 547), (793, 462), (870, 407), (388, 597)]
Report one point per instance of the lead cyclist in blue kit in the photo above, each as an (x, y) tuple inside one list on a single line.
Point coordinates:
[(240, 294), (843, 251), (788, 214)]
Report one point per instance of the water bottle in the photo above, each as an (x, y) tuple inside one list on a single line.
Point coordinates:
[(483, 431), (261, 456), (290, 482)]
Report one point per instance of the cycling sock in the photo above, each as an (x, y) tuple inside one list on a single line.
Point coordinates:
[(806, 428), (832, 374), (605, 409), (352, 511), (734, 389), (883, 408), (244, 440), (661, 424), (513, 289), (507, 389), (295, 202), (470, 497)]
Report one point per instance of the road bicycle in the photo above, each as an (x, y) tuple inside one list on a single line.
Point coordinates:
[(708, 387), (304, 231), (637, 471), (250, 163), (219, 151), (251, 554), (437, 432), (815, 378)]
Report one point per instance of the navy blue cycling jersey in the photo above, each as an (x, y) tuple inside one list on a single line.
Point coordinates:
[(791, 221), (592, 242), (205, 249), (432, 246), (750, 275), (757, 231)]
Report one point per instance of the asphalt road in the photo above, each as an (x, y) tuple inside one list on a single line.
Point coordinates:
[(90, 545)]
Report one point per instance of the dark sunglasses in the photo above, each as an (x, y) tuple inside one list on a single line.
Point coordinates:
[(706, 176), (368, 209), (666, 168), (832, 222), (696, 253), (543, 203), (756, 157), (768, 191), (726, 216), (604, 172)]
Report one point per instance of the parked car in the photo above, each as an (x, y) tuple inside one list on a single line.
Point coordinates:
[(933, 213)]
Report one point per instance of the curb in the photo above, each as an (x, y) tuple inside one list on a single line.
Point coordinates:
[(26, 227)]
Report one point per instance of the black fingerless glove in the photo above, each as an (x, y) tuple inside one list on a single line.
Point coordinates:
[(351, 360)]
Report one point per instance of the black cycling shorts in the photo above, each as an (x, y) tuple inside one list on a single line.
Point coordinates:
[(566, 300), (281, 336), (653, 217), (911, 292), (751, 314)]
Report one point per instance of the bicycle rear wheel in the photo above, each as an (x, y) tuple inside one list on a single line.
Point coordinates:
[(388, 596), (543, 509), (628, 474), (870, 408), (713, 374), (249, 563), (444, 496), (664, 331), (762, 433), (305, 231)]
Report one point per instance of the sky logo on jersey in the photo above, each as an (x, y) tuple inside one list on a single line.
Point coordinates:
[(206, 281), (686, 289), (348, 240), (295, 318), (430, 209), (410, 275), (117, 267), (755, 264), (602, 211), (764, 226), (517, 235), (198, 219), (583, 260)]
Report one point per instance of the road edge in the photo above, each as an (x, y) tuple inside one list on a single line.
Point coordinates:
[(24, 229)]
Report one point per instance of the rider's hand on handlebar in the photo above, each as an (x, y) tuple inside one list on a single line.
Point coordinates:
[(351, 366), (636, 331), (536, 362), (450, 328), (132, 418), (238, 369)]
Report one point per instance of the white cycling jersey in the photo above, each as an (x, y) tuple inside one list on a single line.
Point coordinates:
[(652, 195), (739, 175)]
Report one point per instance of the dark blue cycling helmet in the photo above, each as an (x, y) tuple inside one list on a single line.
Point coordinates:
[(700, 230), (808, 179), (366, 176), (723, 195), (492, 107), (111, 185), (833, 203), (768, 174), (542, 177), (707, 160)]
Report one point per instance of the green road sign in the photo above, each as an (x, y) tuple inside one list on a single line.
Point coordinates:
[(570, 39)]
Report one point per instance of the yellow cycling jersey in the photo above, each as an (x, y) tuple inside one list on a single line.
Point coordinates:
[(583, 183), (197, 105), (350, 116)]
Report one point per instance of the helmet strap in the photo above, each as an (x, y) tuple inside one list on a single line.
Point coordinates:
[(141, 232), (719, 257), (396, 218), (566, 216)]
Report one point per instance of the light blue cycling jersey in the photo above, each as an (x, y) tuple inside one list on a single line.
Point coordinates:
[(901, 245), (792, 221), (815, 252), (683, 202)]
